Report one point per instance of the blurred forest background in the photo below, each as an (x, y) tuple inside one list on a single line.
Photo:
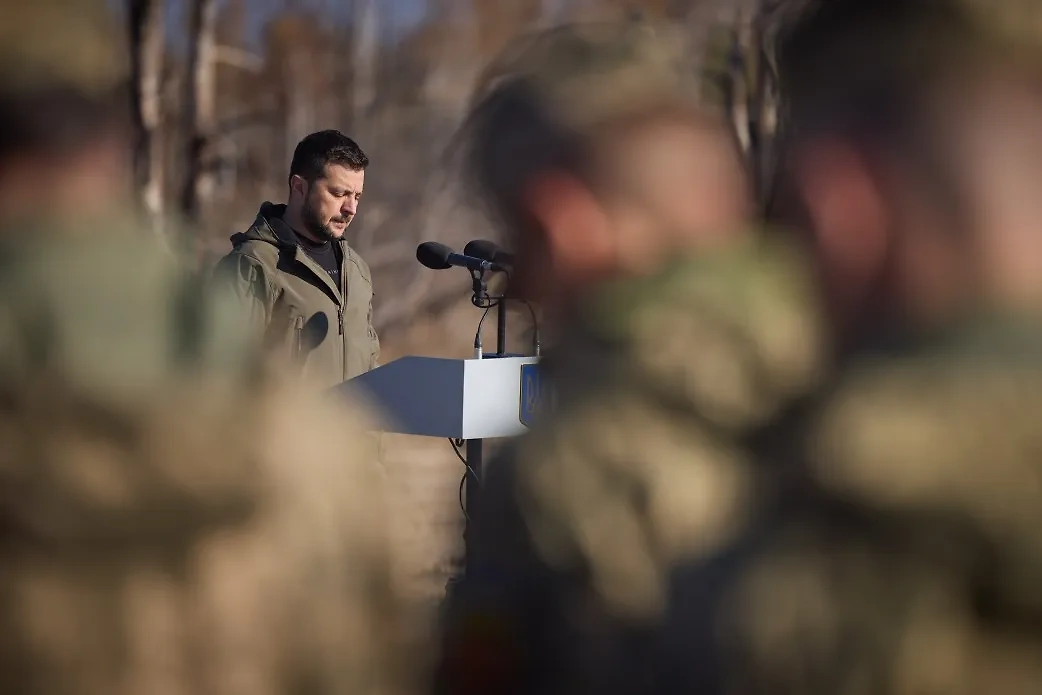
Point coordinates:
[(226, 88)]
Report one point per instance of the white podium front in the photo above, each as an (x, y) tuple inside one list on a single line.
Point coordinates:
[(452, 398)]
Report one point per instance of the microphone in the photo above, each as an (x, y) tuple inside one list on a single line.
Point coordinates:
[(439, 257), (488, 251)]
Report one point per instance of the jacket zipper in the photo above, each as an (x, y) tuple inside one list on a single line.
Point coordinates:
[(298, 327), (344, 261)]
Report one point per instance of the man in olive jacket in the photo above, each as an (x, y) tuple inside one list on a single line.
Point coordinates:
[(302, 285)]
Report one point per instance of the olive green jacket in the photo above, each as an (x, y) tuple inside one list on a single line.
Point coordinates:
[(325, 332)]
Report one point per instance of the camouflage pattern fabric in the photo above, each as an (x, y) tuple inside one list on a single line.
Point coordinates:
[(896, 548), (579, 524), (174, 520)]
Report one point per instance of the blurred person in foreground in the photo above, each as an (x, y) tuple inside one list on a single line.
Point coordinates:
[(674, 330), (890, 542), (302, 285), (166, 528)]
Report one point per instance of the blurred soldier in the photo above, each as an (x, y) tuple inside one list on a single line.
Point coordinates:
[(894, 544), (674, 331), (302, 285), (166, 528)]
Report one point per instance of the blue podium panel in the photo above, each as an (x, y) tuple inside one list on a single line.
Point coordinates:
[(531, 393), (461, 399)]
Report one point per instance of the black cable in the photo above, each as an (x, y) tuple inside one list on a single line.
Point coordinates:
[(535, 327), (456, 444), (462, 506), (477, 335)]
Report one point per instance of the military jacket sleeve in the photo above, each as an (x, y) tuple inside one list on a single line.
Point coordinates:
[(246, 278)]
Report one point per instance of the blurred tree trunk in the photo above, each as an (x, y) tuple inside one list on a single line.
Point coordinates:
[(147, 50), (200, 112), (300, 103), (366, 28)]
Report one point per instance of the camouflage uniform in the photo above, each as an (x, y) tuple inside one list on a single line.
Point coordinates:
[(712, 509), (658, 383), (173, 519)]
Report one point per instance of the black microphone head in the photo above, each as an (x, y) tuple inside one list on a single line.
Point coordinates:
[(480, 248), (488, 251), (433, 255)]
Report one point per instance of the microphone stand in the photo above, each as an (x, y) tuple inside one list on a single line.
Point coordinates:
[(501, 327), (474, 449)]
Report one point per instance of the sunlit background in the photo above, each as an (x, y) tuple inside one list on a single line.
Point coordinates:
[(226, 89)]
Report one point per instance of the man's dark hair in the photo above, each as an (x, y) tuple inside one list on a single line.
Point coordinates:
[(865, 71), (862, 67), (325, 147)]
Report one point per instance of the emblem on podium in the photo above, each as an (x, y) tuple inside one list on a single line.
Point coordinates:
[(532, 395)]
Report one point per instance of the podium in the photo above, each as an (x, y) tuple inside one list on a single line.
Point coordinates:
[(468, 399), (459, 399)]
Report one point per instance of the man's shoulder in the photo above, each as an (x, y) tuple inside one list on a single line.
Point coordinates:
[(252, 251), (916, 467)]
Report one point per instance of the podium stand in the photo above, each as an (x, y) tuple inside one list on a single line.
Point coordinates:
[(468, 399)]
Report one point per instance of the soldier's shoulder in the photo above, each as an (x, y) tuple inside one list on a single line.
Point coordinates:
[(919, 470), (735, 333), (115, 315), (946, 406)]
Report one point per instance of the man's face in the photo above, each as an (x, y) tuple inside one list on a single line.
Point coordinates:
[(93, 178), (665, 187), (331, 201), (928, 231), (671, 186), (997, 142), (885, 233)]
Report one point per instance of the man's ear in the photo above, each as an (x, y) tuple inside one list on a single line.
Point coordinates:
[(843, 200), (570, 218), (298, 185)]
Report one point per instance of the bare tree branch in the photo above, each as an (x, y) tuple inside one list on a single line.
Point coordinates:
[(200, 94), (238, 58)]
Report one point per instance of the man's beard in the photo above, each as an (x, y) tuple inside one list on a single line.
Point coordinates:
[(316, 226)]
